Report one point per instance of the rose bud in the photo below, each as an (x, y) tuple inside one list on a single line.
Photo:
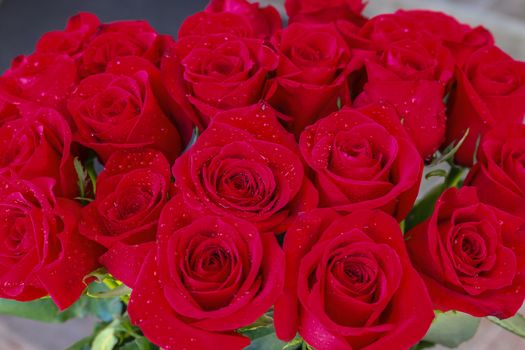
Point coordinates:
[(471, 256)]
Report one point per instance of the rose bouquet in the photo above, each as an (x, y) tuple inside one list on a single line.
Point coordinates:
[(253, 185)]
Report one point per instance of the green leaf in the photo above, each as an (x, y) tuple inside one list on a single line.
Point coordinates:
[(263, 321), (295, 344), (82, 344), (82, 176), (140, 343), (515, 324), (423, 345), (452, 328), (193, 139), (448, 154), (106, 339), (43, 310), (266, 342), (91, 172), (339, 103), (119, 291), (424, 208), (435, 173)]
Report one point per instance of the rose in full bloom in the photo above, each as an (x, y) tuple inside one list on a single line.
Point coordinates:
[(122, 109), (490, 91), (212, 73), (238, 17), (311, 79), (71, 41), (499, 174), (131, 192), (349, 284), (246, 165), (471, 256), (42, 252), (35, 142), (326, 11), (209, 276), (362, 159)]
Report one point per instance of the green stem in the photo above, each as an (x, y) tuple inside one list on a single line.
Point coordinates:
[(425, 206)]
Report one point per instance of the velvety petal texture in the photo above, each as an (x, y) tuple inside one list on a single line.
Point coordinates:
[(42, 252), (313, 11), (209, 276), (499, 175), (490, 92), (131, 192), (120, 110), (36, 142), (362, 159), (217, 72), (246, 165), (471, 256), (350, 285), (311, 79)]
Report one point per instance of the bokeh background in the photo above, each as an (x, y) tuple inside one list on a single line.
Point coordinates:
[(23, 21)]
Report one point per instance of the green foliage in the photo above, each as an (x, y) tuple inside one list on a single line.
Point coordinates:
[(263, 337), (515, 324), (452, 328)]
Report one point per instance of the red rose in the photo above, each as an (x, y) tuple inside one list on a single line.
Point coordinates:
[(42, 252), (471, 256), (44, 78), (217, 72), (72, 39), (233, 17), (349, 284), (326, 11), (209, 276), (117, 40), (412, 75), (499, 175), (35, 142), (314, 65), (490, 91), (131, 192), (119, 110), (246, 165), (363, 160), (461, 39)]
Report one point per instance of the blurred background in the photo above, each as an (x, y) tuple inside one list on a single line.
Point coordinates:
[(22, 22)]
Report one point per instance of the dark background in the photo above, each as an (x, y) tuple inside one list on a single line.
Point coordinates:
[(22, 22)]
